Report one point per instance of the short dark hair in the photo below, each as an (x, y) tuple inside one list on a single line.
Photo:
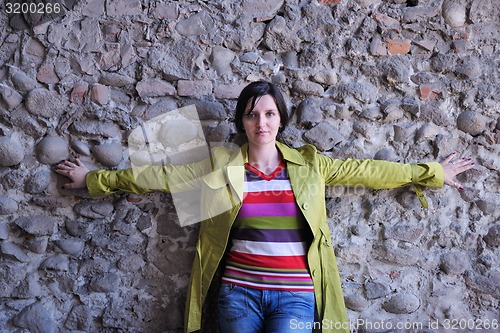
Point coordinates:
[(250, 93)]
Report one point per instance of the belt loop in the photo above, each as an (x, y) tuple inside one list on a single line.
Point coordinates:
[(112, 180), (420, 195)]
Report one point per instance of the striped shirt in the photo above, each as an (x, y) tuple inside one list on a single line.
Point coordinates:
[(270, 236)]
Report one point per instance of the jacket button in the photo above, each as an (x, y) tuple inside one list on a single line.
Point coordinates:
[(305, 205), (315, 272)]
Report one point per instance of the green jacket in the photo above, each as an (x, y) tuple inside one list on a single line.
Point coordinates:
[(220, 181)]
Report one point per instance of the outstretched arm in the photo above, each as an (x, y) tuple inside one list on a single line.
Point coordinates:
[(137, 180), (452, 167), (76, 172)]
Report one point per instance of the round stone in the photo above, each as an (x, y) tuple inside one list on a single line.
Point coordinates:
[(176, 132), (454, 13), (356, 302), (108, 154), (386, 154), (471, 122), (36, 318), (70, 246), (453, 263), (7, 205), (58, 262), (492, 238), (45, 103), (38, 182), (11, 152), (51, 150), (402, 303), (37, 225), (80, 147)]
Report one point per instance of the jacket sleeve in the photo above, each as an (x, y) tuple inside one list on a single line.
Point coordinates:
[(146, 179), (377, 174)]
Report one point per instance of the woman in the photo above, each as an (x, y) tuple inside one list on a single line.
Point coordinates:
[(280, 269)]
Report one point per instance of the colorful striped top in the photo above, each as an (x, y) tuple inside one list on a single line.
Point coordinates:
[(270, 236)]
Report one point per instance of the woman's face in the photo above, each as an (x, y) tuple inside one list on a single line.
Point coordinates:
[(262, 123)]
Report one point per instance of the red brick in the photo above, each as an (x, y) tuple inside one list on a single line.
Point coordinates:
[(192, 88), (228, 91), (398, 46), (46, 74), (78, 93), (328, 2), (155, 88), (100, 94), (428, 92)]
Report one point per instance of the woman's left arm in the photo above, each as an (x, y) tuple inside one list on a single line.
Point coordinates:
[(452, 167), (376, 174), (384, 174)]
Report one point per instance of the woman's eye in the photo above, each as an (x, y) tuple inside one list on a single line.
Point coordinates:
[(249, 115)]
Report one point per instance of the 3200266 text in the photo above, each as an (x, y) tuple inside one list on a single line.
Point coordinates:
[(32, 8)]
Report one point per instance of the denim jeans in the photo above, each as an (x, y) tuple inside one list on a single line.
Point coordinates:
[(249, 310)]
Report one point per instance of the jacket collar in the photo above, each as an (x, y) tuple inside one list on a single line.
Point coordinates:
[(236, 172), (289, 155)]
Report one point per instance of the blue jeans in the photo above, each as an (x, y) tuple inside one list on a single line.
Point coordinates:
[(270, 311)]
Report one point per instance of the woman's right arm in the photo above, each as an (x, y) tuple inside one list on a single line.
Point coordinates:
[(135, 180)]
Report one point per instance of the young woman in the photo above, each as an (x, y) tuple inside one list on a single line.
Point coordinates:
[(280, 272)]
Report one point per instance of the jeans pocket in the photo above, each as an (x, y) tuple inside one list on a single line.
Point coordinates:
[(232, 302), (307, 296), (227, 288), (298, 304)]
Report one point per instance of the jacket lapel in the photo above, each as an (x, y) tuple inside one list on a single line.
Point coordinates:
[(235, 171), (296, 168)]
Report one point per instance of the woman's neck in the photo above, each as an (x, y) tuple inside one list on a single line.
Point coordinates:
[(264, 158)]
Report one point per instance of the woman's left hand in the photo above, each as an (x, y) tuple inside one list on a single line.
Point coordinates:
[(452, 167)]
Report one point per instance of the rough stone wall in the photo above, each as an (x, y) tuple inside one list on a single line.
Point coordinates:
[(395, 80)]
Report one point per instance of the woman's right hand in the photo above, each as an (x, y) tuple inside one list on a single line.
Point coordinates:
[(76, 172)]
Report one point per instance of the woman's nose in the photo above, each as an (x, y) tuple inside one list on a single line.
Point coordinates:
[(261, 121)]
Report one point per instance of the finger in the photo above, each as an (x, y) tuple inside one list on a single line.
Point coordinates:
[(69, 163), (458, 186), (60, 171), (78, 162), (463, 168), (68, 186), (449, 158), (464, 161), (63, 164), (60, 168), (63, 167)]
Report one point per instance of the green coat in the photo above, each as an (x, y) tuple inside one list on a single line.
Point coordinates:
[(309, 173)]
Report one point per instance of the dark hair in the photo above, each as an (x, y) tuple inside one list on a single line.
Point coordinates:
[(251, 93)]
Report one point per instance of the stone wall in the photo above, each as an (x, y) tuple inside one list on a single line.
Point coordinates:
[(395, 80)]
